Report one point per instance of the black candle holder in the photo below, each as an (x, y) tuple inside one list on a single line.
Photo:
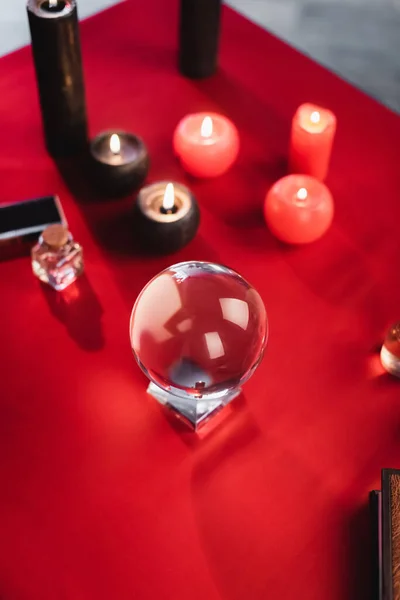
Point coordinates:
[(58, 65), (116, 174), (199, 37), (160, 230)]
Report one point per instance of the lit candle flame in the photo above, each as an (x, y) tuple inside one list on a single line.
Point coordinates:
[(315, 117), (53, 3), (206, 129), (302, 194), (169, 197), (115, 144)]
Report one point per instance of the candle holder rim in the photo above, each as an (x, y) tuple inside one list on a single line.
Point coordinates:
[(307, 180), (310, 205), (330, 115), (142, 148), (35, 6), (219, 118), (315, 108), (149, 194), (203, 113), (164, 183)]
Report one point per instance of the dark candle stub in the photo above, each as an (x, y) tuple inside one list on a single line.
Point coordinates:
[(58, 65), (199, 37), (119, 163), (160, 229)]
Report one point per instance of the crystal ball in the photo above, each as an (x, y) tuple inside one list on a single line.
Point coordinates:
[(198, 329)]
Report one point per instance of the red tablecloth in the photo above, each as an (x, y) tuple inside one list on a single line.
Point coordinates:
[(101, 496)]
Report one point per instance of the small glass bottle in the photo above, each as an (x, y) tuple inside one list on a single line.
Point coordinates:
[(57, 258), (390, 353)]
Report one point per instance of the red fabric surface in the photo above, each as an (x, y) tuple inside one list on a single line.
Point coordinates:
[(102, 496)]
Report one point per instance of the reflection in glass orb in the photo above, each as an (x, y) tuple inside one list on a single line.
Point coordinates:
[(198, 331)]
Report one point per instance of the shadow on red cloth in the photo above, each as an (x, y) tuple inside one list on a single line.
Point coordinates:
[(220, 426), (241, 191), (110, 220), (357, 556), (226, 499), (78, 308), (111, 223)]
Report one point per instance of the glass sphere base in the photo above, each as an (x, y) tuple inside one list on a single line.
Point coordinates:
[(195, 412)]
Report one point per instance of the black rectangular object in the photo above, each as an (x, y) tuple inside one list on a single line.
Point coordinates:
[(21, 224), (199, 32)]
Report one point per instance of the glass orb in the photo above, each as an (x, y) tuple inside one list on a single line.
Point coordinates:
[(390, 353), (198, 331)]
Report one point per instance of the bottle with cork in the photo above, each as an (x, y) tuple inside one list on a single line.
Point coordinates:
[(57, 259)]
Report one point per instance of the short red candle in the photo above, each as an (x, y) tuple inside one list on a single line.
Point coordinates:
[(313, 131), (298, 209), (207, 144)]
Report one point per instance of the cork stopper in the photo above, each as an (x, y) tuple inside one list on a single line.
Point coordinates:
[(55, 236)]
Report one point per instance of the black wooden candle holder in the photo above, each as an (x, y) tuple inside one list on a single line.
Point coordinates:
[(57, 58), (198, 37)]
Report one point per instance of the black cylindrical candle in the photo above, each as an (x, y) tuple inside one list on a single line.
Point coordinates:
[(57, 57), (166, 217), (199, 37), (119, 163)]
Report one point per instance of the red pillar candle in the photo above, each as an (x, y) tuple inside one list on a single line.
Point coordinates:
[(298, 209), (313, 131), (207, 144)]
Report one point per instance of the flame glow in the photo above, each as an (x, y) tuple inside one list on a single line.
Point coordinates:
[(169, 197), (206, 129), (315, 117), (115, 143), (302, 194), (53, 3)]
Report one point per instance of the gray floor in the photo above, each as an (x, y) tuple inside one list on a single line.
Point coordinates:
[(359, 39)]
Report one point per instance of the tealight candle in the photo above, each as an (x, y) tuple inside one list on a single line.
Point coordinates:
[(207, 144), (298, 209), (166, 217), (313, 131), (120, 162)]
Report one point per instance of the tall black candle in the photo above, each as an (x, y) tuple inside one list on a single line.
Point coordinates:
[(57, 57), (199, 37)]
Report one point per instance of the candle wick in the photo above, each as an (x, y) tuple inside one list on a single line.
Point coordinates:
[(301, 197), (53, 5), (169, 211), (315, 117)]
